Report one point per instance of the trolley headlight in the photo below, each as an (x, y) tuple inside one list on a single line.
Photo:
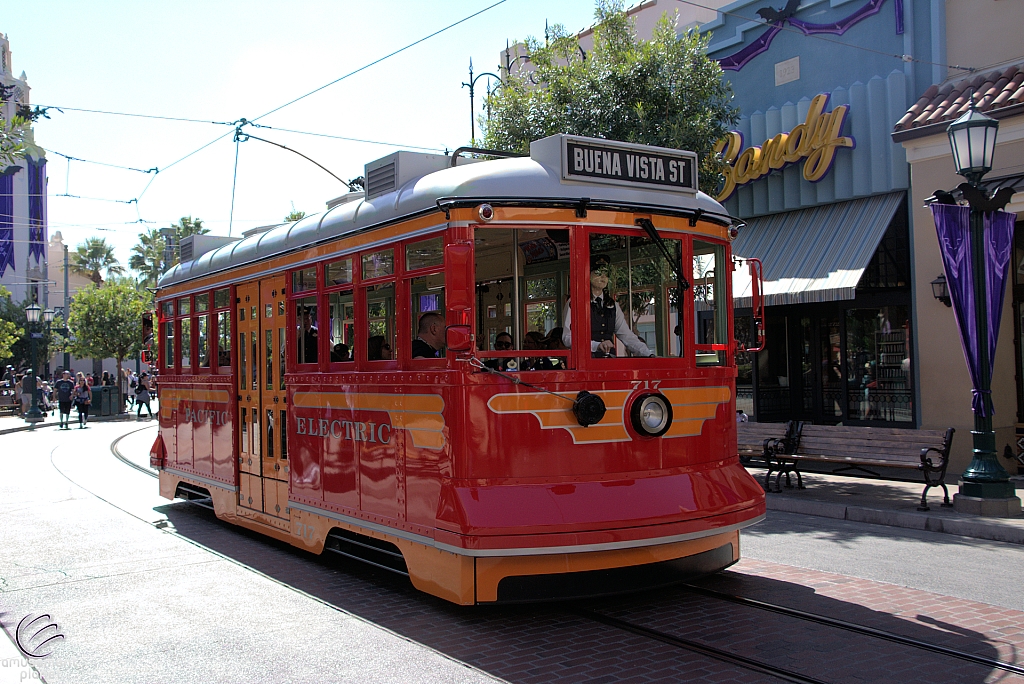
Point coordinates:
[(485, 212), (651, 415)]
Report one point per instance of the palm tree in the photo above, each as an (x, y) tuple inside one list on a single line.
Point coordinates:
[(186, 226), (93, 257), (294, 216), (147, 257)]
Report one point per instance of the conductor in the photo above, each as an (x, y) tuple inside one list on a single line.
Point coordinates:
[(606, 318)]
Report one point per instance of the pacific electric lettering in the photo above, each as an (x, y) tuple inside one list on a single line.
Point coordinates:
[(204, 416), (355, 431)]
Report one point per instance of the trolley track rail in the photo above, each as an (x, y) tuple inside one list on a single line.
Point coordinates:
[(701, 648), (855, 628)]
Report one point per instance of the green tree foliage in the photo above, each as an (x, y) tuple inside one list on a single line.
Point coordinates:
[(187, 225), (94, 257), (147, 258), (10, 331), (106, 322), (664, 91), (294, 216), (15, 132), (13, 327)]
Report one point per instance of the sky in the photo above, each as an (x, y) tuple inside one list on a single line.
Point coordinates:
[(219, 61)]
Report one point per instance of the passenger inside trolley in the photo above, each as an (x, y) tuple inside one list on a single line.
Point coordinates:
[(430, 340), (377, 349), (307, 339)]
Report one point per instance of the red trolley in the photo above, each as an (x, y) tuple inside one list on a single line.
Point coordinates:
[(407, 378)]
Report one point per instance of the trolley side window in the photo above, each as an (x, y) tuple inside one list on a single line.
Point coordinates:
[(522, 287), (424, 261), (307, 330), (380, 304), (710, 313), (203, 330), (222, 303), (167, 359), (341, 310), (185, 332), (633, 297)]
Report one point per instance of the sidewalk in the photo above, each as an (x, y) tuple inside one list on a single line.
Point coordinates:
[(883, 502), (10, 424)]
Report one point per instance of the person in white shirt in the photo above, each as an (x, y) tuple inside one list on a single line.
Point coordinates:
[(606, 318)]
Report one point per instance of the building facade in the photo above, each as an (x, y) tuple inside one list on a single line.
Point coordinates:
[(834, 208), (23, 269)]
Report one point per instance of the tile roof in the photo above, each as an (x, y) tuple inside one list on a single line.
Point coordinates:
[(994, 93)]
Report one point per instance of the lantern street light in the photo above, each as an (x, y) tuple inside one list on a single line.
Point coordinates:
[(972, 140), (472, 85), (28, 384)]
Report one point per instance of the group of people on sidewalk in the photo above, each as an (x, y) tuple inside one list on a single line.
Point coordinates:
[(65, 393)]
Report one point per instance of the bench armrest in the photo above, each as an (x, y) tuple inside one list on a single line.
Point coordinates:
[(929, 466)]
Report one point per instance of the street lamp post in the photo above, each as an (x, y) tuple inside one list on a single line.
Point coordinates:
[(472, 111), (972, 139), (34, 415)]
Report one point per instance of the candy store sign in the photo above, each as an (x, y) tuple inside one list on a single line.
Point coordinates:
[(815, 141)]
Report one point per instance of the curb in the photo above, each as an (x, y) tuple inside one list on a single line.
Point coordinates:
[(987, 529), (39, 426)]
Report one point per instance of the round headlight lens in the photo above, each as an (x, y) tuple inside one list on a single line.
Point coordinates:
[(651, 415)]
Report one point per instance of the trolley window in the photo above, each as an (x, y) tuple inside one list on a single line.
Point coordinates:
[(306, 330), (304, 280), (222, 298), (378, 264), (380, 322), (168, 357), (342, 311), (522, 286), (338, 272), (424, 254), (186, 343), (711, 323), (631, 296)]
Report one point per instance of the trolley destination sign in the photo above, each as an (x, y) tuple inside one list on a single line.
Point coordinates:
[(591, 160)]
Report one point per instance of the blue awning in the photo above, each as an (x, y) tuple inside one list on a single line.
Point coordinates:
[(813, 255)]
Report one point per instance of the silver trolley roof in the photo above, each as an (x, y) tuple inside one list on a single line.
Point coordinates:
[(562, 170)]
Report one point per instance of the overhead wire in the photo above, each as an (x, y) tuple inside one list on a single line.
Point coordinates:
[(131, 114), (358, 140), (381, 59), (90, 161)]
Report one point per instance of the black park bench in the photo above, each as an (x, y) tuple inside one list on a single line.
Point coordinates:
[(849, 448)]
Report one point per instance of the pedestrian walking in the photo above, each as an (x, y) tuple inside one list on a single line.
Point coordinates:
[(142, 397), (133, 382), (23, 398), (82, 400), (65, 390)]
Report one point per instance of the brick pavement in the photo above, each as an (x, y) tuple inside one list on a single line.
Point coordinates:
[(551, 643)]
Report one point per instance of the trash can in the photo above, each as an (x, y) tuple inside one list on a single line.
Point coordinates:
[(105, 401)]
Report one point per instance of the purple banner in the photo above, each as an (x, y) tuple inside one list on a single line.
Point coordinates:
[(36, 196), (953, 227), (6, 223)]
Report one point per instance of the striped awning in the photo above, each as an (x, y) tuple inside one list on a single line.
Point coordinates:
[(813, 255)]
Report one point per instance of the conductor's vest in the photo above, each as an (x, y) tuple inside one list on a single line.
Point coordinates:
[(602, 320)]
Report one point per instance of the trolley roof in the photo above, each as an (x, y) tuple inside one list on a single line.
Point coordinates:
[(544, 178)]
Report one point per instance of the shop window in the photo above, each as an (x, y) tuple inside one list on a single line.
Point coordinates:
[(878, 364), (380, 320), (890, 265), (710, 320), (379, 264), (186, 342), (522, 284), (831, 369), (304, 280), (342, 310), (307, 330), (338, 272)]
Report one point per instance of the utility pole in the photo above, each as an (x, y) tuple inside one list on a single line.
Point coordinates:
[(67, 311)]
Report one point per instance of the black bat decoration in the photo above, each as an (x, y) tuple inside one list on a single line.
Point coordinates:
[(771, 15)]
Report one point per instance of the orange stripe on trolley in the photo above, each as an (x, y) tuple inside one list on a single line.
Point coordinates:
[(172, 398), (420, 415), (556, 413), (691, 406)]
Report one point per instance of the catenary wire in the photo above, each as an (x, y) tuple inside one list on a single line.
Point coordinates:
[(381, 59), (140, 116), (358, 140), (90, 161)]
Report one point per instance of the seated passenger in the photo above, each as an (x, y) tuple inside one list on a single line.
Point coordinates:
[(430, 340), (534, 341), (377, 349), (502, 342), (606, 318), (340, 353)]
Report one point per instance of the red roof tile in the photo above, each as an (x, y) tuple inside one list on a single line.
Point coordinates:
[(992, 91)]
